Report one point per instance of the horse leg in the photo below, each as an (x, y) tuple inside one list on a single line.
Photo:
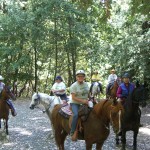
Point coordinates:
[(6, 128), (123, 139), (117, 139), (135, 133), (99, 145), (60, 137), (88, 145)]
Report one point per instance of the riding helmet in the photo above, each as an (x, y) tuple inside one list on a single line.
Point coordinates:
[(80, 72)]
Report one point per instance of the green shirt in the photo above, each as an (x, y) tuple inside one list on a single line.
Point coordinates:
[(80, 90)]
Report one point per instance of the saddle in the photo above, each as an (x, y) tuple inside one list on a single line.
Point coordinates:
[(83, 114)]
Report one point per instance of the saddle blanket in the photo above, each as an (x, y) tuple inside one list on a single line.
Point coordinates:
[(65, 111)]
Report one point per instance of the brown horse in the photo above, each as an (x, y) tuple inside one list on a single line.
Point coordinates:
[(4, 108), (113, 89), (95, 128)]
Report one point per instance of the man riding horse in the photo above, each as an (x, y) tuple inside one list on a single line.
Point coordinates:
[(111, 79)]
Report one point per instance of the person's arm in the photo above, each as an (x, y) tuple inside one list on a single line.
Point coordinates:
[(83, 101), (115, 77), (109, 78)]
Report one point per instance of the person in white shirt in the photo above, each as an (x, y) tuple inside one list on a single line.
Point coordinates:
[(59, 88), (111, 79)]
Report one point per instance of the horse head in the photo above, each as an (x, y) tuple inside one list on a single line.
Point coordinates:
[(139, 94), (116, 115), (6, 93), (35, 100), (110, 111)]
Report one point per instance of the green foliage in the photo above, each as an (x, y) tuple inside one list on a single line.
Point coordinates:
[(48, 38)]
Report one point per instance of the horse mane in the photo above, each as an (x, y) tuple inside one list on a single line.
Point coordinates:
[(99, 107)]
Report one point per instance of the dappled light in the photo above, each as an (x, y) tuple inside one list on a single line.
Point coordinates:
[(145, 130), (31, 129)]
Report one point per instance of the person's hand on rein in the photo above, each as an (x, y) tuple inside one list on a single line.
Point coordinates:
[(85, 102)]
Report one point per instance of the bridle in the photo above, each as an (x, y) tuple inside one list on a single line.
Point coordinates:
[(38, 101)]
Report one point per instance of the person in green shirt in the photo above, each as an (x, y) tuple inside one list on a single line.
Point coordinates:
[(79, 95)]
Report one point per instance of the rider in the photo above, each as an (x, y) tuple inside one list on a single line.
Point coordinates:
[(59, 88), (111, 79), (96, 78), (79, 95), (125, 88), (13, 111)]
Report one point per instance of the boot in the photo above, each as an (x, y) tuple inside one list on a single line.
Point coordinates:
[(13, 112)]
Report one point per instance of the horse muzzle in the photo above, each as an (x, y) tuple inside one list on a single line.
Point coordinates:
[(31, 106)]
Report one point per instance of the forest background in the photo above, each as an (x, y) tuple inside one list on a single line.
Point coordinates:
[(40, 39)]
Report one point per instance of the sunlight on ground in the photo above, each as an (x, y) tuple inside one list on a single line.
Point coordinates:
[(22, 131), (9, 144), (147, 115), (145, 131)]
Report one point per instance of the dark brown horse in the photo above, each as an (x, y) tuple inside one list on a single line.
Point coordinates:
[(113, 89), (4, 108), (131, 118), (95, 128)]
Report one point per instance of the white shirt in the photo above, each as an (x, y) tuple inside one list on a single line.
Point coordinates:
[(59, 86), (112, 78), (1, 86)]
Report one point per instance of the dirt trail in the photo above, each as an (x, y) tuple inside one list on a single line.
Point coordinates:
[(30, 130)]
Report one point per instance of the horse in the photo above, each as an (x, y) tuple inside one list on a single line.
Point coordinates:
[(95, 90), (45, 100), (131, 118), (5, 94), (95, 129), (113, 89)]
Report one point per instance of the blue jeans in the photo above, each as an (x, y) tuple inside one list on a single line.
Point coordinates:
[(10, 104), (75, 109)]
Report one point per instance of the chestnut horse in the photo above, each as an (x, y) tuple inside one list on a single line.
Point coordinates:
[(4, 108), (95, 128), (113, 90), (131, 118)]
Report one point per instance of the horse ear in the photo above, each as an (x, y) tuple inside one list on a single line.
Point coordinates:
[(137, 83), (145, 84), (114, 101)]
